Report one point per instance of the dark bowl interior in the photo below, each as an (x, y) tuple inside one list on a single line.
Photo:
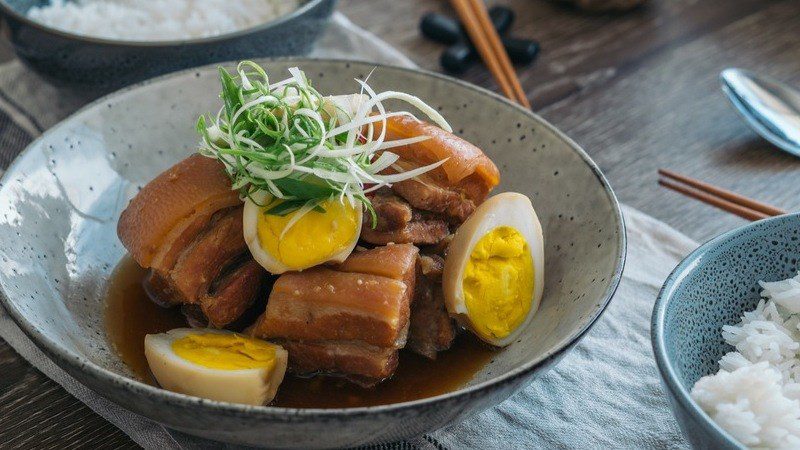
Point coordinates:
[(713, 287), (102, 64)]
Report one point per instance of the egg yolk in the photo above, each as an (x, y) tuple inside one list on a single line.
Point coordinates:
[(315, 238), (498, 282), (225, 351)]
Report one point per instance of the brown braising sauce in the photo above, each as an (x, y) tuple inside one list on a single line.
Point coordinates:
[(130, 315)]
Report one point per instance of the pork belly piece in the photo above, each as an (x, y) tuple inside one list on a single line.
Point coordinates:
[(457, 186), (365, 364), (350, 319), (390, 261), (423, 232), (206, 257), (467, 167), (233, 295), (186, 227), (325, 304), (392, 211), (365, 298), (166, 215), (159, 290), (430, 196), (431, 329), (398, 223), (395, 261)]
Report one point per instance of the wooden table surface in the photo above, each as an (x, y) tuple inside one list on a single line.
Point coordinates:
[(638, 91)]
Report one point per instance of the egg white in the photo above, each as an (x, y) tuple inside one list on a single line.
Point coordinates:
[(269, 261), (506, 209), (249, 386)]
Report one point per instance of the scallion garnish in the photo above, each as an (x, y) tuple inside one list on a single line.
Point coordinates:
[(301, 148)]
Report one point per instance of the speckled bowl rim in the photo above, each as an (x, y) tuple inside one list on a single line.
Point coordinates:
[(77, 363), (665, 296), (6, 9)]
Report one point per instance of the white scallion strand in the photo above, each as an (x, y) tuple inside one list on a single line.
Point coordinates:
[(267, 132)]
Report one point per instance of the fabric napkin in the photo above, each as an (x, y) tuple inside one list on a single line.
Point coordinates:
[(604, 394)]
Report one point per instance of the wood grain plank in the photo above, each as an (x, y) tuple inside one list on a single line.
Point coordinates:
[(35, 412), (670, 113)]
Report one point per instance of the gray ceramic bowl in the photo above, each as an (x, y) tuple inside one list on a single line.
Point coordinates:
[(60, 201), (95, 63), (712, 287)]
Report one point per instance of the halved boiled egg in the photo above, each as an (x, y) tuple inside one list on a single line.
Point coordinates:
[(216, 364), (300, 239), (494, 271)]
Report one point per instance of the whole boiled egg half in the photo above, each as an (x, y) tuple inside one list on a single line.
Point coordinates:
[(300, 239), (216, 364), (494, 271)]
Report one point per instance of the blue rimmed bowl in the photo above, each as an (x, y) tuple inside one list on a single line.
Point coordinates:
[(88, 62), (713, 287)]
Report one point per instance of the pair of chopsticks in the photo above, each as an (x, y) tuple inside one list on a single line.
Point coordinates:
[(721, 198), (476, 20)]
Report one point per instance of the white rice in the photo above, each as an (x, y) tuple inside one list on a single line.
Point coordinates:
[(755, 396), (157, 20)]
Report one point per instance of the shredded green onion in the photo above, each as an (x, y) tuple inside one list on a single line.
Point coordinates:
[(301, 148)]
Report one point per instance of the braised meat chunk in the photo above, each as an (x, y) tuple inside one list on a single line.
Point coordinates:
[(399, 223), (362, 363), (350, 319), (423, 232), (429, 196), (233, 294), (203, 260), (168, 213), (186, 227), (325, 304), (393, 212), (457, 186), (431, 329)]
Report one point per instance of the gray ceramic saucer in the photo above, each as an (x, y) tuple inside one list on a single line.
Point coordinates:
[(60, 201)]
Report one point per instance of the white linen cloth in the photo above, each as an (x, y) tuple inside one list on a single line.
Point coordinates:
[(605, 394)]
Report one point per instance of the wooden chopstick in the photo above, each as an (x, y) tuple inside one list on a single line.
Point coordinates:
[(723, 193), (479, 7), (721, 198), (478, 24), (725, 205)]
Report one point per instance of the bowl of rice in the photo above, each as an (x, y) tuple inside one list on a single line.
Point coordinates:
[(112, 43), (726, 338)]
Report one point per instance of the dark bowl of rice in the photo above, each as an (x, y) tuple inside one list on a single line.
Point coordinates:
[(96, 46)]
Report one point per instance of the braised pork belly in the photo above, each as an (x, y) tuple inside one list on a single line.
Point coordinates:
[(361, 363), (233, 294), (429, 196), (392, 212), (423, 232), (431, 329), (314, 229), (186, 227), (349, 319), (456, 187), (398, 223), (169, 212), (204, 259)]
